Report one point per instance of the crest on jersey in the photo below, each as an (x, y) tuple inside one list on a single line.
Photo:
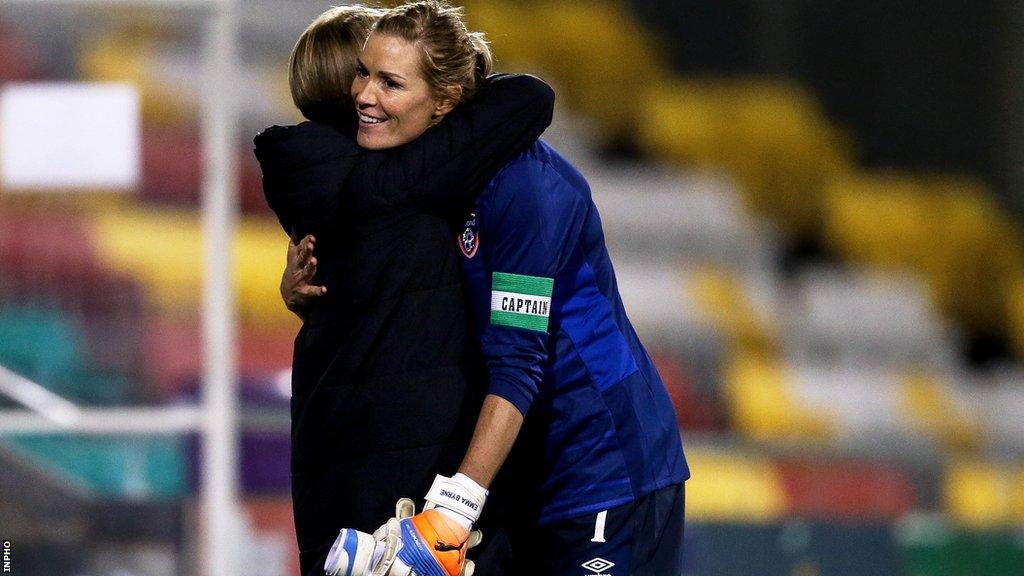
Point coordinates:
[(469, 238)]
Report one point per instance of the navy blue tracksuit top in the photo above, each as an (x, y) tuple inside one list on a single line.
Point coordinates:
[(557, 342)]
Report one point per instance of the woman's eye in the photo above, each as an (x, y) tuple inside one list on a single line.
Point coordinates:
[(361, 72), (392, 84)]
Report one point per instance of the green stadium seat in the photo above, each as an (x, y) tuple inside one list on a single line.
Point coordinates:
[(40, 344), (113, 467), (933, 547)]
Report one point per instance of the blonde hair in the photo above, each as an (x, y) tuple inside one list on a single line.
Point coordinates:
[(323, 62), (453, 60)]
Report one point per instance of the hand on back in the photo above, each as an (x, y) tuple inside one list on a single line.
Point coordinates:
[(297, 288)]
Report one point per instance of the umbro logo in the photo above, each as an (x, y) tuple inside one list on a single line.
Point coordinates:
[(598, 565)]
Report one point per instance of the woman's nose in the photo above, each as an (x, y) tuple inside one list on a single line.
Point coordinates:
[(365, 96)]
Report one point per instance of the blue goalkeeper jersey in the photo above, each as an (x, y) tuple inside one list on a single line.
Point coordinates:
[(557, 342)]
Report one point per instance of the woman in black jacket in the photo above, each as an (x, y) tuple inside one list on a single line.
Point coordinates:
[(386, 382)]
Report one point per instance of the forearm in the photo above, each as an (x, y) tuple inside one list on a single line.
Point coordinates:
[(495, 433), (448, 164)]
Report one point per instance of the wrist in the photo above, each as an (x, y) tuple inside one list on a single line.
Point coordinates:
[(456, 517), (458, 497)]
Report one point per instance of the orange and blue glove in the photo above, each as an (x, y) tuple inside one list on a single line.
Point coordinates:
[(431, 543)]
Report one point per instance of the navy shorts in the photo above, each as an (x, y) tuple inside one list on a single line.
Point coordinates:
[(641, 538)]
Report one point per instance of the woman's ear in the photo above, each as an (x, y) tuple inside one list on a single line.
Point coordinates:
[(446, 103), (441, 108)]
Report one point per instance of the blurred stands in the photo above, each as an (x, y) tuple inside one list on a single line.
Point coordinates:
[(834, 423)]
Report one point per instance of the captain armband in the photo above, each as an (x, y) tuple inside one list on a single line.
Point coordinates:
[(521, 301)]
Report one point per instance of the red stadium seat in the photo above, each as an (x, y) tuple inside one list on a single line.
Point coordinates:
[(20, 61), (174, 354), (172, 165), (172, 170), (846, 491), (694, 410)]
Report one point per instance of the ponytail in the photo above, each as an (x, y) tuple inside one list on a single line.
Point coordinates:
[(484, 58)]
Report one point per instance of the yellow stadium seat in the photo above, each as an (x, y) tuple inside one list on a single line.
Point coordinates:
[(764, 408), (733, 488), (770, 135), (1017, 497), (164, 250), (593, 49), (879, 220), (945, 228), (1015, 313), (933, 410), (725, 306), (978, 494), (129, 53)]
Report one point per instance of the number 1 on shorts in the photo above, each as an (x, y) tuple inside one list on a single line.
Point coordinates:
[(599, 527)]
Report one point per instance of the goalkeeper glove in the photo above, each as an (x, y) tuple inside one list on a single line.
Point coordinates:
[(432, 543)]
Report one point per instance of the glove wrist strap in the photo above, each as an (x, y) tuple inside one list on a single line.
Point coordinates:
[(459, 494)]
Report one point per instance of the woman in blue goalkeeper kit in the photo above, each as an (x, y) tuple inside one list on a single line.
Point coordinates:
[(599, 449), (386, 384), (597, 472)]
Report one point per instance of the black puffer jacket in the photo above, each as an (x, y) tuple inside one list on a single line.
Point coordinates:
[(386, 381)]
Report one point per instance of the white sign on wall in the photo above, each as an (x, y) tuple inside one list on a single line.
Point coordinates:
[(61, 136)]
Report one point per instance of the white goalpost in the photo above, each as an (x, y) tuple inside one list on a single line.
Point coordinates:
[(216, 419)]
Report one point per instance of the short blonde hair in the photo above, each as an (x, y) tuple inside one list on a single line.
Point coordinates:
[(323, 62), (454, 60)]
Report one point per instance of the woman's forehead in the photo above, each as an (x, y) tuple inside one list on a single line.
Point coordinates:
[(388, 53)]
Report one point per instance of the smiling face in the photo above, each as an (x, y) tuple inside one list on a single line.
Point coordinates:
[(394, 101)]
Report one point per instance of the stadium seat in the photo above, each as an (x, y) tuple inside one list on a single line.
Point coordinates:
[(933, 546), (944, 228), (172, 170), (846, 491), (979, 494), (914, 409), (21, 60), (998, 400), (731, 487), (32, 249), (594, 49), (135, 52), (695, 408), (164, 249), (172, 165), (764, 405), (771, 136), (744, 309), (273, 522), (49, 348), (937, 409), (676, 217), (174, 352), (862, 402), (656, 300), (860, 318), (133, 468), (40, 344)]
